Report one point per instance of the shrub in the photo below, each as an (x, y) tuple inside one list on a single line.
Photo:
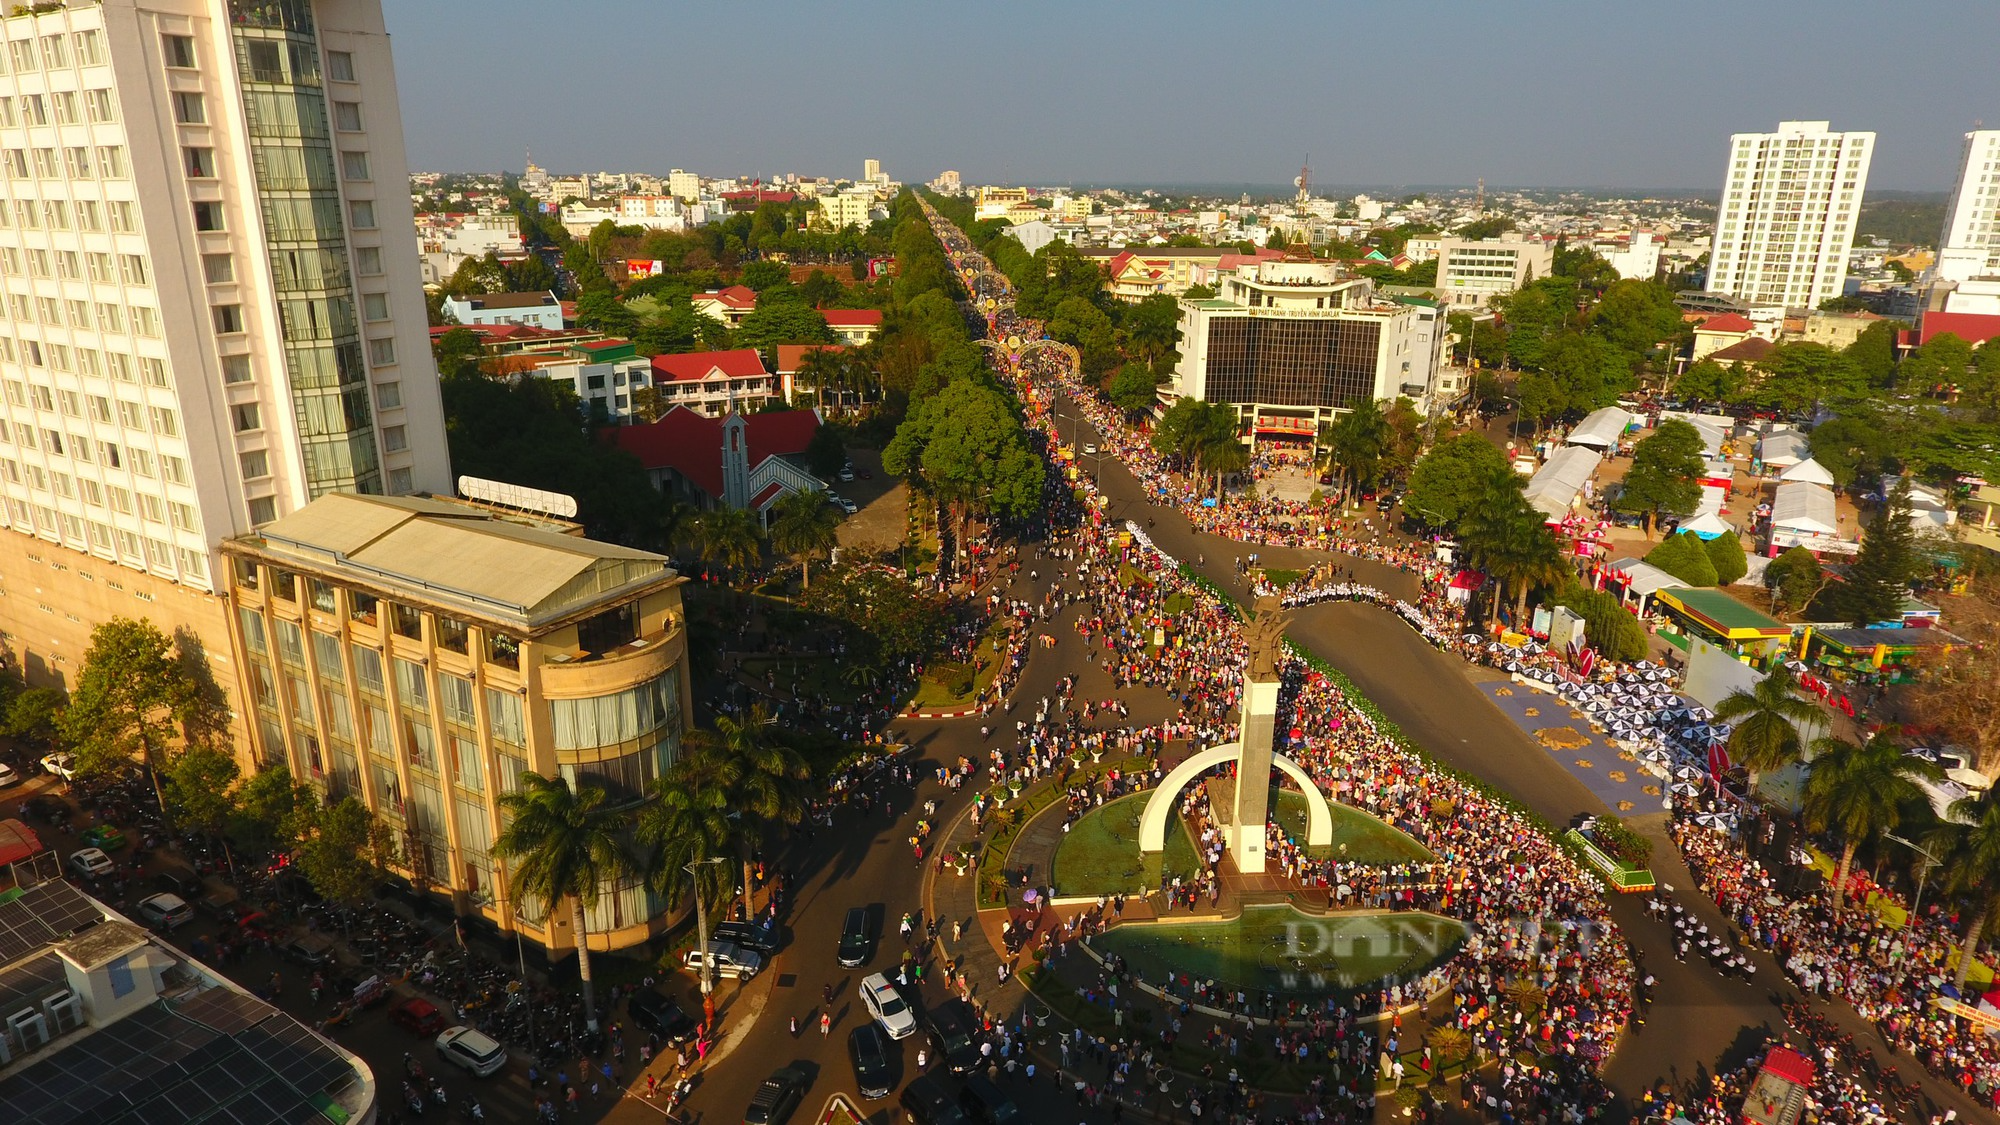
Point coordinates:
[(1726, 553), (953, 677), (1685, 557), (1621, 843)]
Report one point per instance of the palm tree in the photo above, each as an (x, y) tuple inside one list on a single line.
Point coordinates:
[(805, 526), (823, 368), (1967, 845), (1222, 454), (764, 778), (1772, 712), (1506, 537), (723, 537), (687, 829), (566, 844), (1859, 791), (1354, 444)]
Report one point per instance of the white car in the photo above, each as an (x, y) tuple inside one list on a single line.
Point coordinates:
[(9, 776), (1090, 449), (165, 912), (728, 959), (887, 1006), (90, 862), (842, 502), (472, 1049), (62, 765)]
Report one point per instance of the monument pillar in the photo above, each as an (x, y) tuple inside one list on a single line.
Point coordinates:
[(1259, 723)]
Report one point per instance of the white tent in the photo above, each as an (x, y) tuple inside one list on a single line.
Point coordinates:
[(1708, 525), (1808, 471), (1643, 579), (1602, 428), (1781, 449), (1803, 508), (1555, 485)]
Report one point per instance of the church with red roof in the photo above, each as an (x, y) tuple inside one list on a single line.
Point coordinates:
[(739, 461)]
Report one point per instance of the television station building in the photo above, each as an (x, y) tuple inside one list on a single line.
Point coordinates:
[(1293, 344)]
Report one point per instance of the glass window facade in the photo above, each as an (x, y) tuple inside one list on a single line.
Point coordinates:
[(628, 716), (291, 151), (1291, 361)]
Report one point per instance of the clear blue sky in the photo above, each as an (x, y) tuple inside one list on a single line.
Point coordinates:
[(1608, 93)]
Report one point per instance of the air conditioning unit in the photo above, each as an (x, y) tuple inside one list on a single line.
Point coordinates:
[(29, 1027), (65, 1010)]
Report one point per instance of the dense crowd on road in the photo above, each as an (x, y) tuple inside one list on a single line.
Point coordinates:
[(1887, 973)]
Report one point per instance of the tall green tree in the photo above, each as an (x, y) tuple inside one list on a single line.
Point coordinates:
[(1709, 381), (1800, 377), (783, 321), (1135, 388), (1794, 579), (723, 537), (1636, 316), (1768, 718), (766, 781), (266, 816), (1858, 792), (1878, 582), (1152, 327), (689, 834), (1665, 478), (135, 696), (1967, 843), (1873, 352), (1354, 444), (1937, 366), (970, 452), (1726, 552), (197, 785), (345, 851), (1508, 538), (564, 844), (804, 525), (1077, 320), (35, 717), (1446, 481)]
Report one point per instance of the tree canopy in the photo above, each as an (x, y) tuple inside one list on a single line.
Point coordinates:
[(1447, 480), (1665, 477)]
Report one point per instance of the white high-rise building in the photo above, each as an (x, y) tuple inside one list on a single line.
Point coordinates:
[(212, 309), (1969, 247), (1790, 200), (871, 171), (684, 186)]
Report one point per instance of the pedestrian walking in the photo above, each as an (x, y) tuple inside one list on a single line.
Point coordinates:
[(825, 1023)]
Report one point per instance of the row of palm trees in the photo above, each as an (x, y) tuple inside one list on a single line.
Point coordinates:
[(1860, 792), (713, 808), (803, 524)]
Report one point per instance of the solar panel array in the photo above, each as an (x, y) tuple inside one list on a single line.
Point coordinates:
[(44, 914), (217, 1058)]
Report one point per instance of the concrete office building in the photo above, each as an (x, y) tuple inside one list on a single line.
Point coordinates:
[(421, 654), (1790, 200), (212, 309), (1471, 273), (1969, 246), (1291, 345)]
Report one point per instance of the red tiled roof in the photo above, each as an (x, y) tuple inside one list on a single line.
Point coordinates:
[(734, 296), (852, 318), (769, 494), (737, 363), (1973, 328), (793, 356), (690, 443), (1727, 322), (608, 342)]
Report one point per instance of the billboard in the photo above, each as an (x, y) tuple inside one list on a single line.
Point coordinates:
[(638, 268)]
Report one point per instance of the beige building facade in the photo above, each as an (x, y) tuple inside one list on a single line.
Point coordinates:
[(422, 654)]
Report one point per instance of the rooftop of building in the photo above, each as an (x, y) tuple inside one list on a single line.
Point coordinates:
[(196, 1049), (523, 573), (509, 300), (736, 363), (690, 443)]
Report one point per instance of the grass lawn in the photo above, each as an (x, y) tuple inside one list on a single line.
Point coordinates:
[(1100, 853), (934, 696), (1357, 837), (1279, 949)]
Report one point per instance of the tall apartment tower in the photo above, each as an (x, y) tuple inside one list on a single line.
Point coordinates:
[(1790, 200), (212, 311), (1969, 247), (871, 170)]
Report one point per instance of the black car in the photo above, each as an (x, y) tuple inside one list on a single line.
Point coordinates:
[(309, 951), (927, 1104), (950, 1025), (777, 1097), (856, 939), (748, 935), (869, 1050), (986, 1103), (654, 1011)]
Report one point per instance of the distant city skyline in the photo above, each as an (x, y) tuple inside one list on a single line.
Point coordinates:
[(1534, 93)]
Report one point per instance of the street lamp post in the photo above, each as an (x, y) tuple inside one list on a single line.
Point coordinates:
[(705, 972), (1923, 869)]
